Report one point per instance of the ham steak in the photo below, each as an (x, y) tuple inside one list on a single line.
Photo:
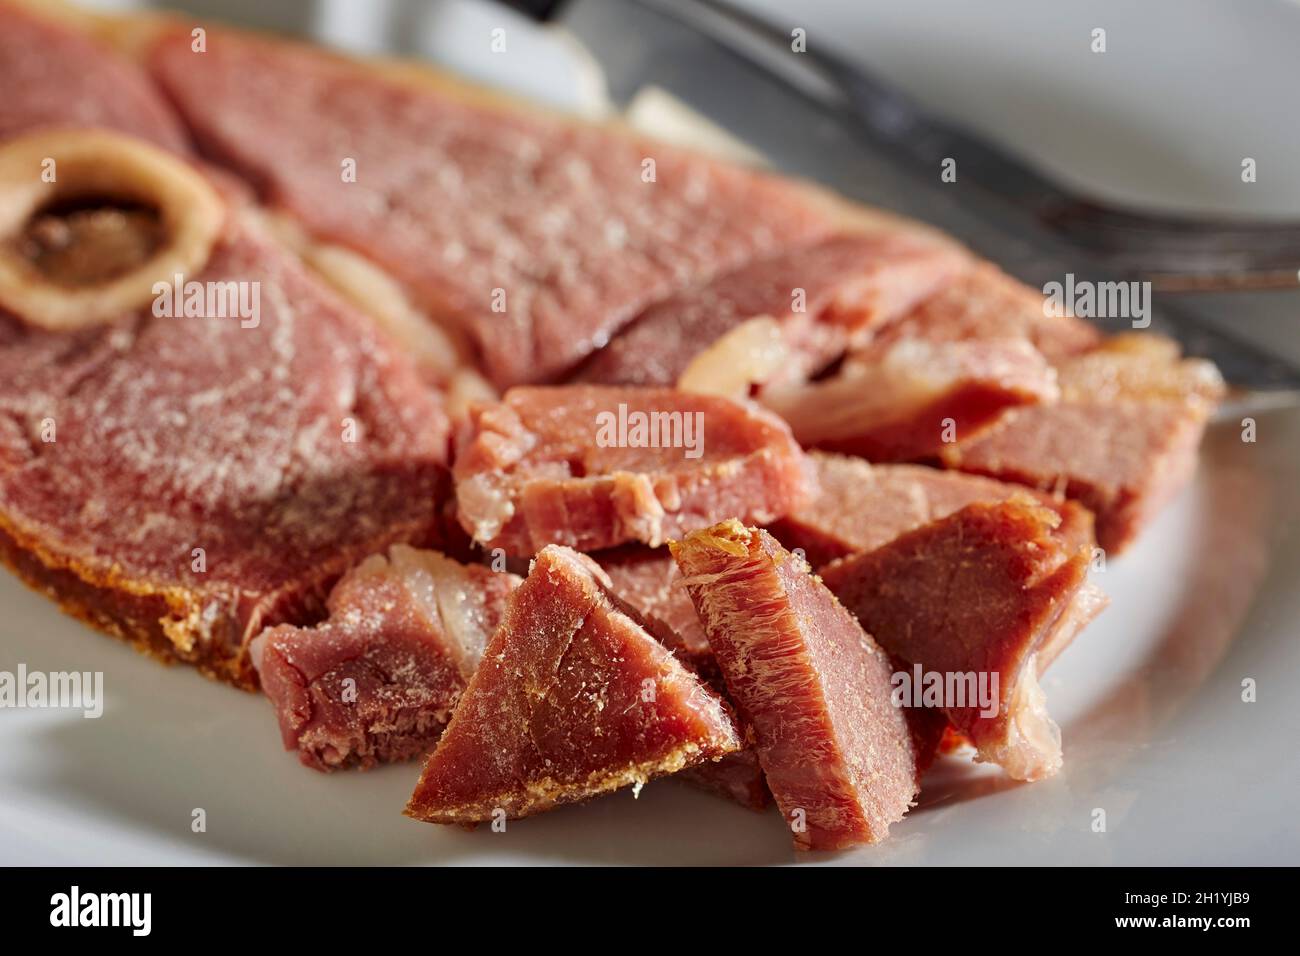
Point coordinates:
[(592, 467), (378, 680), (823, 296), (185, 482), (535, 236), (839, 758), (993, 590), (573, 699)]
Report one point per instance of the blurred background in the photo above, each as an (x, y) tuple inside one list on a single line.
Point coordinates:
[(1185, 90)]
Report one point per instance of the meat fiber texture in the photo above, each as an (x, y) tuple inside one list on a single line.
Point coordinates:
[(1122, 440), (824, 296), (993, 589), (568, 465), (185, 482), (860, 506), (378, 680), (52, 76), (536, 236), (838, 756), (573, 699)]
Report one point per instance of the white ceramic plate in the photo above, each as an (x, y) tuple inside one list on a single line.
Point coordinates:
[(1149, 699)]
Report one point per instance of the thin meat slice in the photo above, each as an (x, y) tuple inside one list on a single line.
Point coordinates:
[(573, 699), (378, 680), (592, 467), (533, 235), (910, 400), (1122, 440), (210, 477), (839, 758), (860, 506), (993, 591), (822, 296), (54, 76), (984, 303)]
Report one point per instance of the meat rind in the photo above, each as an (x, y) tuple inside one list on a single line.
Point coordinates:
[(533, 469), (378, 680), (992, 589), (839, 758), (573, 699)]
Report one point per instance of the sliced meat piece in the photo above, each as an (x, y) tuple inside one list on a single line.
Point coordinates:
[(378, 680), (846, 285), (1122, 440), (860, 506), (573, 699), (838, 756), (184, 483), (913, 399), (592, 467), (991, 592), (536, 236), (985, 303), (54, 76)]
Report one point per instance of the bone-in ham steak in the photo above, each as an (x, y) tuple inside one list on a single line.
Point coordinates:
[(838, 756), (823, 297), (592, 467), (1122, 440), (993, 589), (378, 680), (535, 235), (573, 699), (185, 482), (860, 506)]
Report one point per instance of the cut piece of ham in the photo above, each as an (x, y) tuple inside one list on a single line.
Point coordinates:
[(378, 680), (839, 757), (1122, 440), (991, 590), (911, 399), (210, 478), (573, 699), (860, 506), (822, 297), (534, 235), (572, 465)]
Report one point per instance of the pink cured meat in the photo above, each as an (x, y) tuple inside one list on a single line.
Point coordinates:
[(860, 506), (208, 479), (995, 589), (909, 401), (850, 284), (573, 699), (552, 465), (538, 237), (1122, 440), (378, 680), (839, 757), (53, 76)]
